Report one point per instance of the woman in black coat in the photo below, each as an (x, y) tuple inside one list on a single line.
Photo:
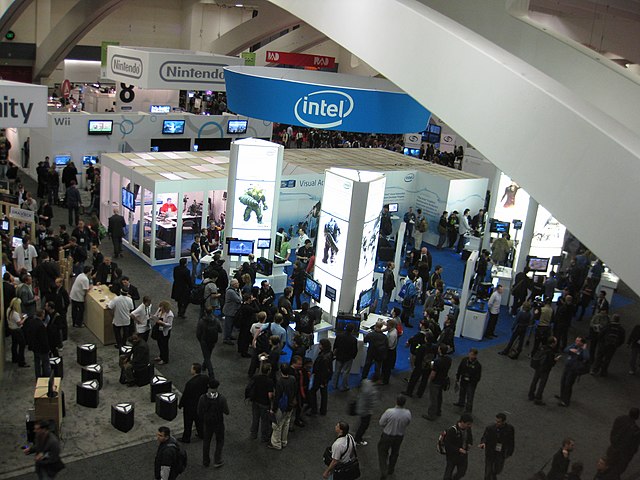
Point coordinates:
[(181, 288)]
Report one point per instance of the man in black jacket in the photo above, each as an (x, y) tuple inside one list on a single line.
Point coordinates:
[(136, 360), (611, 337), (467, 378), (388, 285), (212, 407), (116, 227), (181, 287), (498, 442), (561, 460), (457, 442), (166, 456), (45, 275), (105, 274), (345, 349), (322, 371), (422, 348), (438, 381), (376, 351), (193, 390), (38, 341), (543, 361)]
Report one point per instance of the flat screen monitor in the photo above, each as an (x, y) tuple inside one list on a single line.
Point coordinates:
[(517, 224), (160, 109), (412, 152), (330, 293), (556, 296), (62, 160), (313, 289), (393, 207), (195, 147), (556, 260), (278, 242), (89, 160), (154, 148), (264, 243), (100, 127), (173, 127), (236, 127), (496, 226), (4, 225), (240, 247), (343, 320), (537, 264), (128, 201), (365, 299), (16, 242)]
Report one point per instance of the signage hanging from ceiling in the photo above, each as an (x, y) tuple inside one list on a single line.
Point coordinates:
[(300, 59), (323, 100), (22, 105), (168, 69)]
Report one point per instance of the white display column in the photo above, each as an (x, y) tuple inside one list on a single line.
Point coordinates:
[(252, 191), (525, 235), (348, 236)]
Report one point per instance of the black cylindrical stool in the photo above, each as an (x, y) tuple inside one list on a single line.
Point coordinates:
[(159, 385), (88, 394), (93, 372), (87, 354), (122, 416), (167, 406), (57, 366)]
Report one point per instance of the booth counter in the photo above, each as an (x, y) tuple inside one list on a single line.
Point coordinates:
[(98, 318), (502, 276), (475, 321)]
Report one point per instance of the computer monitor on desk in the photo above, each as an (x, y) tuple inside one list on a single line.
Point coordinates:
[(343, 320)]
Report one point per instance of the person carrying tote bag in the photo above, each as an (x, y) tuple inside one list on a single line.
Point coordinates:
[(343, 461)]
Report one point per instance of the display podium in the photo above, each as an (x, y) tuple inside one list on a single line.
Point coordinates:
[(86, 354), (159, 384), (48, 408), (98, 318), (57, 366), (93, 372), (88, 394), (167, 406), (122, 416)]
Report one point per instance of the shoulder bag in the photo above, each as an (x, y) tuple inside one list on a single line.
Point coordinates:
[(349, 470)]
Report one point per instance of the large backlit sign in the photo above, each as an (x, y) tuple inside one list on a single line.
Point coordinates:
[(22, 105), (323, 100)]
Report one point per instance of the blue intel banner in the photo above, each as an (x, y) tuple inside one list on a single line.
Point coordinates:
[(323, 100)]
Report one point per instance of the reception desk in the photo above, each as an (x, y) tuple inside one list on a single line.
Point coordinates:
[(97, 317)]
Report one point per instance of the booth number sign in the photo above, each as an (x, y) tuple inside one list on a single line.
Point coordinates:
[(126, 93)]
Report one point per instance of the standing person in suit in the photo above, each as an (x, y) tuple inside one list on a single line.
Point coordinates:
[(498, 443), (116, 227), (181, 288), (73, 203), (195, 387)]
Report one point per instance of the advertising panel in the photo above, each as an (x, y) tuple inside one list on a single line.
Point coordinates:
[(329, 101), (332, 242), (337, 196), (548, 235), (253, 205), (369, 247), (512, 201), (300, 59), (23, 105)]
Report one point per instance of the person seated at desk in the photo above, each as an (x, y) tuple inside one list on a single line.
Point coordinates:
[(136, 360), (123, 284), (106, 272), (168, 208)]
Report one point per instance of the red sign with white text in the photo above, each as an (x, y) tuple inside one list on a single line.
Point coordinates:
[(66, 89), (301, 59)]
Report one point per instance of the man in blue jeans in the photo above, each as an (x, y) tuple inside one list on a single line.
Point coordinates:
[(345, 349)]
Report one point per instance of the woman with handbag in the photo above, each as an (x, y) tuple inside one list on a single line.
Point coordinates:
[(341, 457), (162, 327)]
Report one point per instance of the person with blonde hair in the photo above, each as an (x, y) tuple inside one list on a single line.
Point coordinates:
[(15, 320), (164, 320)]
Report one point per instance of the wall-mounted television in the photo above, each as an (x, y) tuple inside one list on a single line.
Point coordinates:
[(240, 247), (173, 127), (100, 127), (264, 243), (393, 207), (61, 160), (313, 289), (128, 200), (90, 160), (330, 293), (537, 264), (365, 299), (496, 226), (160, 109), (237, 127)]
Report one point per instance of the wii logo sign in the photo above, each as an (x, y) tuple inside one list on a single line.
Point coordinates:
[(321, 61)]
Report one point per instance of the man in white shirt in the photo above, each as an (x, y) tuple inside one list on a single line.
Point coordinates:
[(122, 306), (463, 229), (394, 422), (24, 256), (79, 290), (141, 316), (494, 310)]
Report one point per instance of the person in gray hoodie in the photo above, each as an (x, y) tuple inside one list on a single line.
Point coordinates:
[(367, 400)]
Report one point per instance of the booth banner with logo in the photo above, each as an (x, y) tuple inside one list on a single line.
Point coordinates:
[(329, 101), (413, 140), (168, 69), (23, 105), (300, 59)]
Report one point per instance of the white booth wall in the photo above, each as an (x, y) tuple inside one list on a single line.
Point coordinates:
[(67, 133)]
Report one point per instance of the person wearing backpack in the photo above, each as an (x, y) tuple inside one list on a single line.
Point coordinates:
[(611, 337), (577, 363), (421, 347), (457, 441), (207, 332), (166, 462), (284, 401), (542, 362), (212, 407)]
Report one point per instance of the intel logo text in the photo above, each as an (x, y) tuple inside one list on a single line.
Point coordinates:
[(126, 66), (323, 109)]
